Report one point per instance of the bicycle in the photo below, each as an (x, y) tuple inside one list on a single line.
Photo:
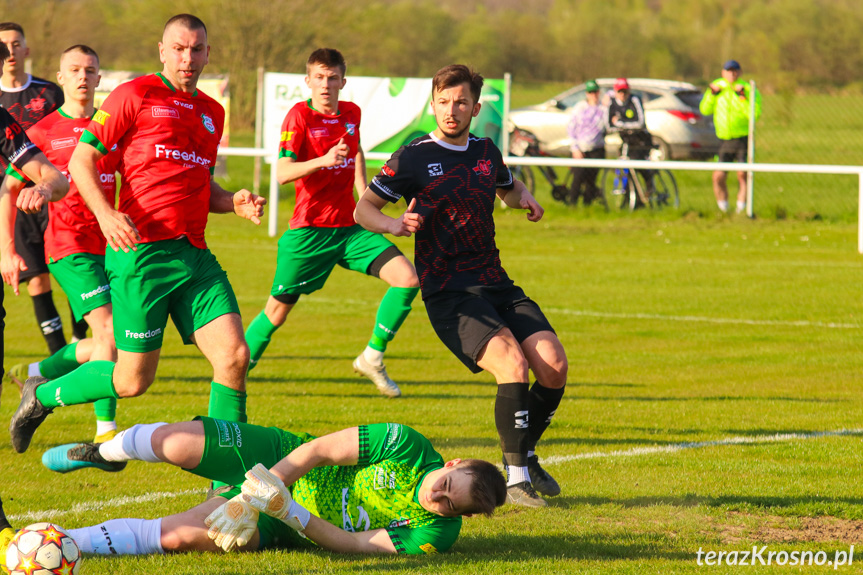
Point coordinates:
[(633, 187), (523, 143)]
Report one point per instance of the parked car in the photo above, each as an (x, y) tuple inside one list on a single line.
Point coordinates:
[(679, 130)]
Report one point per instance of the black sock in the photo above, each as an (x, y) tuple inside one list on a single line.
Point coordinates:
[(543, 403), (79, 328), (49, 321), (4, 523), (511, 418)]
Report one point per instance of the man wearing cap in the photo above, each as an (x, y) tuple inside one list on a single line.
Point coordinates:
[(626, 116), (729, 100), (587, 130)]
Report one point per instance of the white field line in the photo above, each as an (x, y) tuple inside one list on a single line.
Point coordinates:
[(89, 506), (695, 318), (677, 447)]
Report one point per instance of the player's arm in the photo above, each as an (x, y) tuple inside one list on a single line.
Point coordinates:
[(519, 197), (243, 203), (360, 180), (118, 228), (50, 184), (369, 215), (11, 264), (289, 169)]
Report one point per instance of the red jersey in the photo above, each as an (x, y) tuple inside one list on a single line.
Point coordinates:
[(168, 141), (72, 227), (325, 199)]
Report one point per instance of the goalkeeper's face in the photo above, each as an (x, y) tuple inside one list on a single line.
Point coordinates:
[(446, 491)]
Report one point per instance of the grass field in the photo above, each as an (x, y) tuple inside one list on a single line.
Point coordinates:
[(713, 399)]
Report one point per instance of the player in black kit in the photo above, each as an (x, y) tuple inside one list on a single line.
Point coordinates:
[(451, 180)]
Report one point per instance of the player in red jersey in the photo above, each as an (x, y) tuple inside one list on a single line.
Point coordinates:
[(29, 99), (74, 245), (17, 150), (320, 151), (167, 134)]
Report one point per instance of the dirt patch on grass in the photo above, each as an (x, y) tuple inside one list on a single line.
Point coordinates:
[(788, 529)]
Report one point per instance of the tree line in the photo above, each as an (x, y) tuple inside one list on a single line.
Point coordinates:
[(787, 45)]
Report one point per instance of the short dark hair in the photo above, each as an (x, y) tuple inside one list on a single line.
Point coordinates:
[(488, 488), (328, 57), (188, 21), (4, 53), (6, 26), (456, 74), (82, 48)]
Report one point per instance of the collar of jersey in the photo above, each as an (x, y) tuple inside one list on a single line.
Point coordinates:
[(20, 88), (448, 146), (171, 86), (309, 104), (65, 115)]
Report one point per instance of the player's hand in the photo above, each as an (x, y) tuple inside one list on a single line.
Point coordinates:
[(337, 155), (577, 154), (529, 203), (232, 524), (715, 89), (267, 493), (741, 91), (248, 205), (31, 200), (410, 222), (119, 230), (11, 266)]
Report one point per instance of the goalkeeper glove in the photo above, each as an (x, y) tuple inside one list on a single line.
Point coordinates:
[(268, 494), (232, 524)]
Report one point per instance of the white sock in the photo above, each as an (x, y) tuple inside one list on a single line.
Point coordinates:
[(33, 370), (740, 207), (373, 356), (516, 474), (135, 443), (723, 205), (103, 427), (120, 537)]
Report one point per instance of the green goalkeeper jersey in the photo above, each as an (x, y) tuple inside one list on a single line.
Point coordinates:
[(381, 491)]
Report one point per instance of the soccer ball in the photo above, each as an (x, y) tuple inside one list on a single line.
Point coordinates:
[(43, 549)]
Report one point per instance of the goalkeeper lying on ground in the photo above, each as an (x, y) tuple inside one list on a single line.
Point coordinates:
[(378, 488)]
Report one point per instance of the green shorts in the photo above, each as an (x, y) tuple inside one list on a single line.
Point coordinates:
[(231, 449), (308, 255), (82, 277), (169, 277)]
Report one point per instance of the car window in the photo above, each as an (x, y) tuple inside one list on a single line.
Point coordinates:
[(647, 96), (571, 100), (691, 98)]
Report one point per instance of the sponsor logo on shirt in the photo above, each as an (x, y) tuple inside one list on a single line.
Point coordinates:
[(319, 132), (346, 164), (95, 292), (363, 521), (149, 334), (286, 136), (64, 143), (186, 105), (388, 171), (13, 130), (483, 167), (208, 123), (394, 433), (351, 129), (325, 121), (101, 117), (163, 151), (165, 112), (435, 170), (107, 178), (384, 479)]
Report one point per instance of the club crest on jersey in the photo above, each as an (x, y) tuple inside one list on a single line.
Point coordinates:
[(208, 123), (483, 167), (351, 129), (436, 169), (36, 105)]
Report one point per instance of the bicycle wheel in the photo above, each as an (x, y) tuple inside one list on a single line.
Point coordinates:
[(665, 193), (525, 175), (611, 186)]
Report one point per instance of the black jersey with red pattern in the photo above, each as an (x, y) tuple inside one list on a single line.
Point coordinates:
[(455, 188), (30, 103)]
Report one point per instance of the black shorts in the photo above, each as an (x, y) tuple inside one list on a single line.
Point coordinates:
[(30, 242), (734, 150), (466, 320)]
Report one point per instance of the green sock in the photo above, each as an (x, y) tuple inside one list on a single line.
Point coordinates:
[(392, 312), (90, 382), (226, 403), (106, 409), (60, 363), (258, 337)]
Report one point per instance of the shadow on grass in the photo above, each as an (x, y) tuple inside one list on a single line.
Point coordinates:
[(694, 500), (712, 398)]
